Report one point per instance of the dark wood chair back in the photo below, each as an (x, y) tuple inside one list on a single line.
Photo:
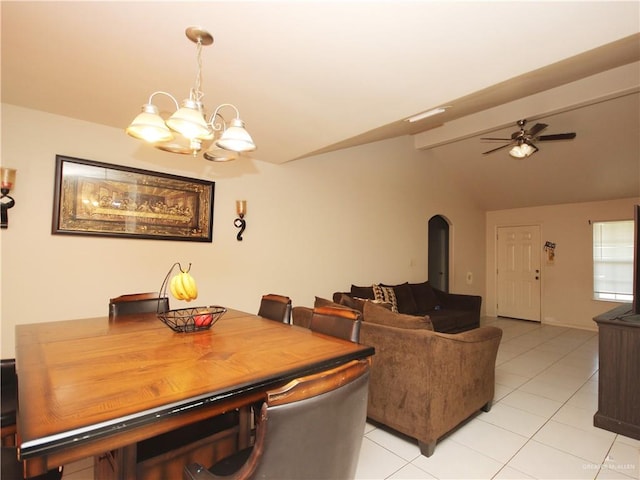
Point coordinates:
[(12, 468), (311, 428), (9, 400), (339, 322), (275, 307), (137, 303)]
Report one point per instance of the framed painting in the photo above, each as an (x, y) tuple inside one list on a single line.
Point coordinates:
[(94, 198)]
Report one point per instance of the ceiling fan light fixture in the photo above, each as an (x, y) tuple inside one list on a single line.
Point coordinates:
[(522, 150), (523, 140)]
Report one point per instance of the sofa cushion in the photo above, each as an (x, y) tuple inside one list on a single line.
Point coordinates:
[(377, 314), (424, 296), (323, 302), (452, 321), (362, 292), (356, 303), (404, 296), (385, 294), (348, 301)]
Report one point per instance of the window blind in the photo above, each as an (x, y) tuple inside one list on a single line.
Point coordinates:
[(613, 261)]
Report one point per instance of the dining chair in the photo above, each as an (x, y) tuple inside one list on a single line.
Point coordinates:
[(311, 428), (338, 322), (8, 400), (12, 468), (275, 307), (150, 302)]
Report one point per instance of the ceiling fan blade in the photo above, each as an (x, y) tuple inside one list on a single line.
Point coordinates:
[(499, 148), (536, 129), (557, 136), (493, 138)]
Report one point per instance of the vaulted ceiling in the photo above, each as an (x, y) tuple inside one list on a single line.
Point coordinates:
[(312, 77)]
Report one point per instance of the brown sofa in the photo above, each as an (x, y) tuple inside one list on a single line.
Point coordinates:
[(423, 383), (449, 312)]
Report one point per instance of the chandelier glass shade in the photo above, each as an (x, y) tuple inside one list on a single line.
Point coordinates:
[(214, 153), (189, 121), (149, 126), (236, 138), (187, 130)]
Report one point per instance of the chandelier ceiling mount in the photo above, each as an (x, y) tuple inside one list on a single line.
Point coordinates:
[(199, 35)]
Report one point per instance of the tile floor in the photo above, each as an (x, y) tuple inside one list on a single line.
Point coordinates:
[(540, 426)]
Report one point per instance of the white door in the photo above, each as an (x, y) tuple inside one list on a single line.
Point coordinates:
[(519, 272)]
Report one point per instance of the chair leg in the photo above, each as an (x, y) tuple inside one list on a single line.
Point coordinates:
[(8, 434), (427, 449), (245, 424), (487, 406)]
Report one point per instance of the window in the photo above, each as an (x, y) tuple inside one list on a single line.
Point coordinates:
[(613, 261)]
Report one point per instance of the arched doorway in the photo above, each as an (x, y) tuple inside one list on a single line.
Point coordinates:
[(439, 253)]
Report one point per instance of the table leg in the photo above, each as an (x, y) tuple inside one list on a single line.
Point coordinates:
[(245, 425), (117, 464)]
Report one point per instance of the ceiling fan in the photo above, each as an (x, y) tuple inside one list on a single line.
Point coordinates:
[(522, 140)]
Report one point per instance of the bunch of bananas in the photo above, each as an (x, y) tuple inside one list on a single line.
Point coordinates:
[(183, 286)]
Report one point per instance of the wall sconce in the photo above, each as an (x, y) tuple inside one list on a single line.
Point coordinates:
[(550, 248), (241, 210), (7, 180)]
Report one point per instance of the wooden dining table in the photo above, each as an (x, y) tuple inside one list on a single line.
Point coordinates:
[(89, 386)]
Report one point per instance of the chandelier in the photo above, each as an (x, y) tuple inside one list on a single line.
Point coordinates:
[(187, 130)]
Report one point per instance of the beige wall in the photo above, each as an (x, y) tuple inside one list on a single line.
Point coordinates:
[(314, 226), (567, 285)]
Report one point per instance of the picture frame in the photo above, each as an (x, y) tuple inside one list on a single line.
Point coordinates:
[(102, 199)]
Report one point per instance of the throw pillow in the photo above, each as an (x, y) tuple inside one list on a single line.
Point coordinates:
[(424, 296), (354, 303), (349, 301), (324, 302), (376, 314), (321, 303), (386, 294), (404, 295), (362, 292)]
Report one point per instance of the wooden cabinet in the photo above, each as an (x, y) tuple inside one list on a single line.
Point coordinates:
[(619, 375)]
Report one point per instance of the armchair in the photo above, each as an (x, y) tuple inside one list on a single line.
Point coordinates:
[(425, 383)]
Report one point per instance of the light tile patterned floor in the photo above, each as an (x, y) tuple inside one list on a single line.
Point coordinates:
[(540, 426)]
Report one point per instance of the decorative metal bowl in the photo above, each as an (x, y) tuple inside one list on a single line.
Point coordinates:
[(193, 319)]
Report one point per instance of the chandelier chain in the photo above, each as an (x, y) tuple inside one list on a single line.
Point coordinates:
[(196, 92)]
